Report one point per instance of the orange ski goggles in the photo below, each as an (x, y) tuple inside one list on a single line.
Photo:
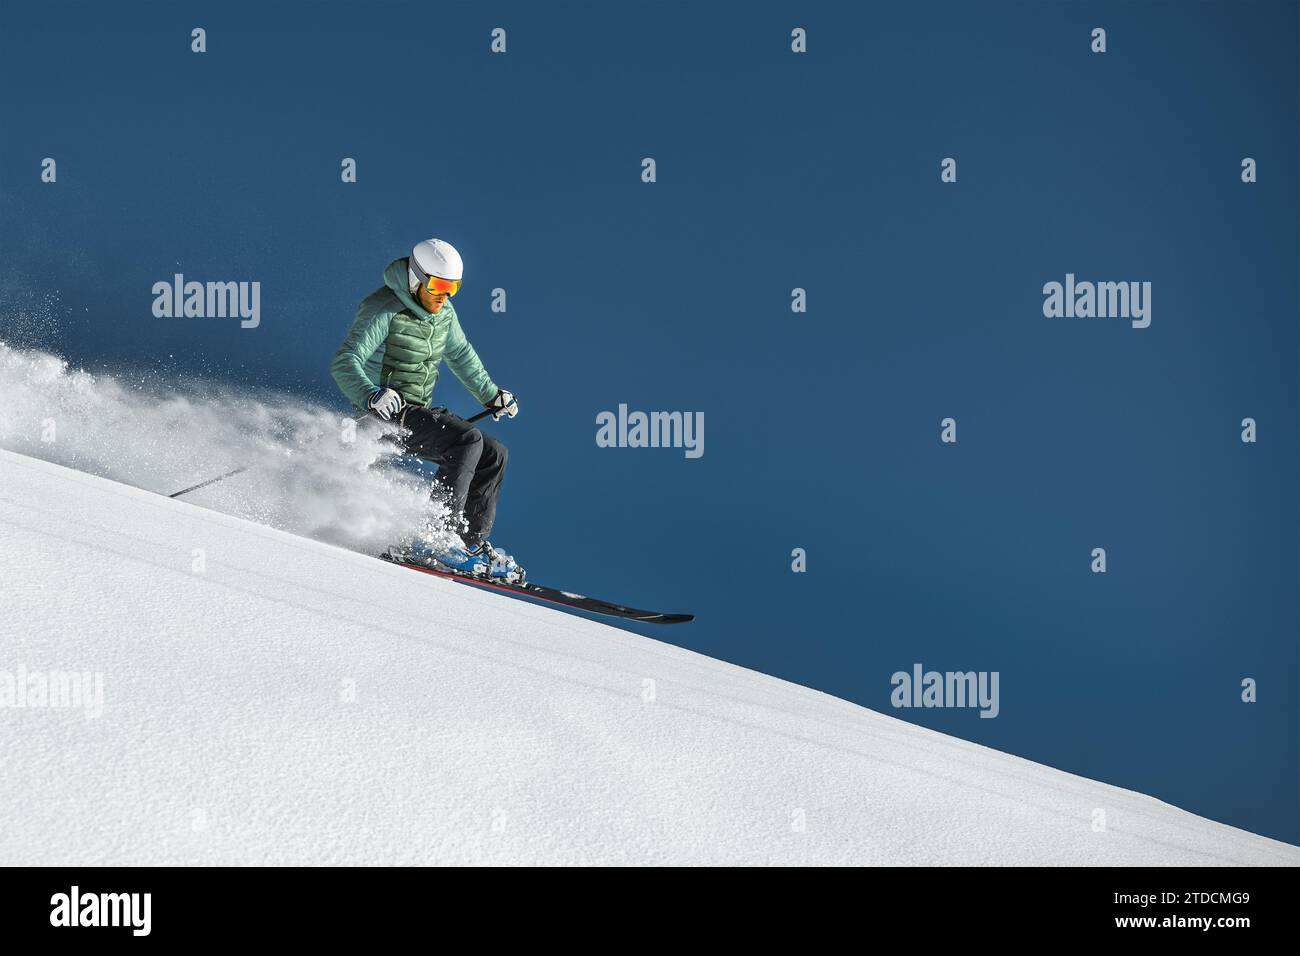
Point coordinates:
[(435, 285)]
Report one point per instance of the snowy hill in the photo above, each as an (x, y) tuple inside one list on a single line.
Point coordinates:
[(270, 699)]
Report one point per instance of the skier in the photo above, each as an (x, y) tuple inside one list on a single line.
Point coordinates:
[(388, 363)]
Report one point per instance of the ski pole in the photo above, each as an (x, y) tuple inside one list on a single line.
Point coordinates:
[(243, 468), (210, 481), (489, 411), (469, 421), (356, 418)]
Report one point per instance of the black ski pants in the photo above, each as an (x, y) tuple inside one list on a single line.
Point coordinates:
[(470, 465)]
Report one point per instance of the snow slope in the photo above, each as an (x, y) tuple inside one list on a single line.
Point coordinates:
[(287, 701)]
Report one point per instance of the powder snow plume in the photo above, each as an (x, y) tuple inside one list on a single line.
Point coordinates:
[(302, 477)]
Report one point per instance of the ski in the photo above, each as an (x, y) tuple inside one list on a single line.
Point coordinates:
[(541, 592)]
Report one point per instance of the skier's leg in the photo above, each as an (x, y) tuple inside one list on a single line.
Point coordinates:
[(481, 505), (470, 468), (449, 442)]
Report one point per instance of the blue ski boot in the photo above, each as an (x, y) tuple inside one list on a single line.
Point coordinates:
[(502, 565), (482, 561)]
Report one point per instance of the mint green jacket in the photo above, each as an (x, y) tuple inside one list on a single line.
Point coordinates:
[(396, 343)]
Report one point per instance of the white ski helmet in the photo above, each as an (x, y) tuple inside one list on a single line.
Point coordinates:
[(434, 257)]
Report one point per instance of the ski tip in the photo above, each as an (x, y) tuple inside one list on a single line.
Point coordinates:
[(665, 618)]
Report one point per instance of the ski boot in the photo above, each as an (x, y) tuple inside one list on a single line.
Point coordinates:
[(482, 561), (500, 566)]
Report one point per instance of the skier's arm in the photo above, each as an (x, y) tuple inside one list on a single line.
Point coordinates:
[(466, 365), (368, 332)]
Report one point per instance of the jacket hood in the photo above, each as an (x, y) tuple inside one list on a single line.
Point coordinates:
[(395, 277)]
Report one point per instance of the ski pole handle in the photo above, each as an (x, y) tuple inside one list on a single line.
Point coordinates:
[(485, 413)]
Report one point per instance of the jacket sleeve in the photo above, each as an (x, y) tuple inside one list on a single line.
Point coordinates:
[(465, 364), (368, 332)]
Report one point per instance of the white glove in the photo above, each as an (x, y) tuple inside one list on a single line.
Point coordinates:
[(503, 404), (386, 403)]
